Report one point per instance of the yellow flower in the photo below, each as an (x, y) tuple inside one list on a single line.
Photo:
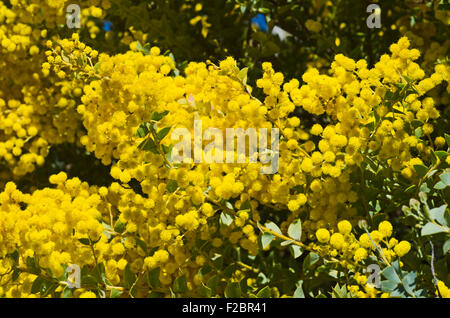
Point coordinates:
[(88, 294), (337, 240), (323, 235), (385, 228), (360, 254), (402, 248), (344, 227), (365, 241)]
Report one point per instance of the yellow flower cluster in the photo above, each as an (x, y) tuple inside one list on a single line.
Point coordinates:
[(110, 96), (344, 244), (47, 226), (35, 113), (423, 33), (115, 104), (352, 253)]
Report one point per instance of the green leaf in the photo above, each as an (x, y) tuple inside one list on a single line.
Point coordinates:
[(146, 48), (441, 154), (129, 276), (205, 291), (99, 271), (154, 294), (229, 205), (418, 132), (14, 256), (446, 247), (409, 282), (153, 277), (229, 270), (416, 123), (141, 244), (244, 286), (424, 187), (212, 283), (445, 178), (440, 185), (226, 219), (32, 266), (246, 205), (433, 158), (204, 270), (115, 293), (310, 260), (149, 145), (266, 239), (172, 185), (180, 284), (264, 293), (388, 285), (447, 139), (16, 273), (142, 131), (339, 292), (85, 241), (288, 242), (167, 149), (37, 285), (421, 170), (158, 116), (172, 57), (119, 227), (391, 274), (67, 292), (233, 290), (295, 230), (432, 228), (96, 66), (298, 293), (217, 261), (272, 226), (48, 288), (296, 251), (399, 292), (163, 132), (421, 293), (396, 265), (243, 75), (87, 279), (438, 214)]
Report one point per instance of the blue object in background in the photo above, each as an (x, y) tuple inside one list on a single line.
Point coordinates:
[(260, 21), (107, 25)]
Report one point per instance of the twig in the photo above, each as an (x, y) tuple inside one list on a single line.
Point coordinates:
[(435, 281)]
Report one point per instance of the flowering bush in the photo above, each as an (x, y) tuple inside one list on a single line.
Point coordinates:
[(358, 206)]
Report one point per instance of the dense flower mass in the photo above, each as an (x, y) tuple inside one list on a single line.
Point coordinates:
[(357, 144)]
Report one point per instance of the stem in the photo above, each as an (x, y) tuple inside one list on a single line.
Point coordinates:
[(255, 270), (378, 248), (432, 270), (160, 150), (93, 252)]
